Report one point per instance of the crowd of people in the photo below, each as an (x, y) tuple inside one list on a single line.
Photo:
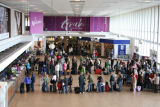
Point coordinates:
[(57, 69)]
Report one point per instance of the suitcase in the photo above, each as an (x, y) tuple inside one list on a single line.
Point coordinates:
[(77, 90), (98, 71), (94, 88)]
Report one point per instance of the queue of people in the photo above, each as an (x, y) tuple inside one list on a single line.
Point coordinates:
[(57, 70)]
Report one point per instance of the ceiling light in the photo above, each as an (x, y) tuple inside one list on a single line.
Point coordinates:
[(145, 1), (32, 5), (22, 1), (77, 6)]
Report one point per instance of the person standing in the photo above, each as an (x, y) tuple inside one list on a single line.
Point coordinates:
[(134, 80), (27, 81), (82, 83), (46, 81), (70, 80), (156, 82), (65, 86), (120, 81), (57, 68), (112, 81), (90, 83), (33, 79)]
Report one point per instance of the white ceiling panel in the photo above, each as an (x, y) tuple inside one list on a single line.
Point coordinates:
[(90, 8)]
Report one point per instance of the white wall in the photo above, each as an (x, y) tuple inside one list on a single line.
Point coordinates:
[(141, 25)]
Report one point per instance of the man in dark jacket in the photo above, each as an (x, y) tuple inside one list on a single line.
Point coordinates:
[(82, 83)]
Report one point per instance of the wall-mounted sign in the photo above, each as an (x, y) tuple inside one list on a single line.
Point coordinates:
[(121, 49), (36, 22), (4, 23)]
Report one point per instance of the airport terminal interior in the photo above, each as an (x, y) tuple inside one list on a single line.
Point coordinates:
[(79, 53)]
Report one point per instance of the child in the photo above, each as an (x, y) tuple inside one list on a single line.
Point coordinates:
[(60, 87), (107, 88)]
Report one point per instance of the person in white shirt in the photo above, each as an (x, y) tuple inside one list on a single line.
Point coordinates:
[(57, 68), (156, 82)]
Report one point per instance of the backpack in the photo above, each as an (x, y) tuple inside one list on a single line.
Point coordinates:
[(112, 78)]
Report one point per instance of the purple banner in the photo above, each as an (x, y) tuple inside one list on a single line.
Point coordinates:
[(88, 24), (36, 22), (62, 23), (99, 24)]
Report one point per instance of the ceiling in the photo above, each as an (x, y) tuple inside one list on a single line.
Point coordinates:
[(90, 8)]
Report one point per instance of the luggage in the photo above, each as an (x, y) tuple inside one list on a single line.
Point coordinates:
[(105, 73), (138, 88), (77, 90), (94, 88), (22, 88), (98, 71)]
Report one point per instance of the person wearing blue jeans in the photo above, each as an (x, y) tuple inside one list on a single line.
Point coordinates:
[(102, 87), (99, 83), (90, 83), (27, 81), (82, 83), (99, 89), (33, 79), (65, 87), (112, 81), (120, 81)]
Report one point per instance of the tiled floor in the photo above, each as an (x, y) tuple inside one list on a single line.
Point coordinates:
[(111, 99)]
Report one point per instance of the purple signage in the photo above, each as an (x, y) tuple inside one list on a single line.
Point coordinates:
[(62, 23), (36, 22), (99, 24), (88, 24)]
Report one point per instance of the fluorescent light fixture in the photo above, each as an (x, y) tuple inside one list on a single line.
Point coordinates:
[(77, 6), (145, 1)]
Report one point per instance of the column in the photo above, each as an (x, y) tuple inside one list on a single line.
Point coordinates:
[(102, 49)]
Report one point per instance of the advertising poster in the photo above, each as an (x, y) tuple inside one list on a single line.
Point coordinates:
[(36, 22), (4, 20), (18, 23), (121, 49)]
